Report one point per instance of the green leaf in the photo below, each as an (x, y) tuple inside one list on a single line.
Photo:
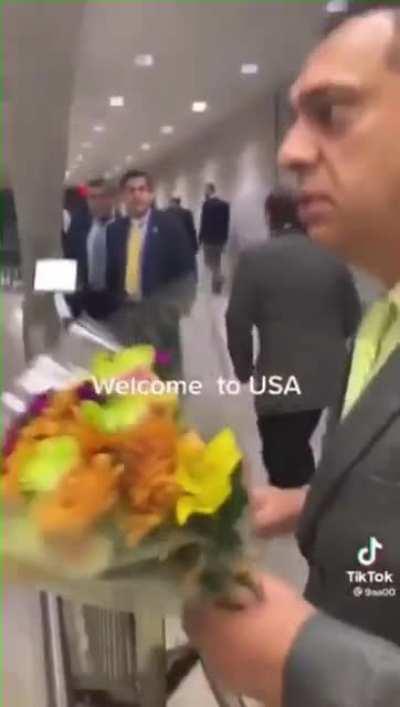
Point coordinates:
[(107, 365), (116, 415), (51, 460)]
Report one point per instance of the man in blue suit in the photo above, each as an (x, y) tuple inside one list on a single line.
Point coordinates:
[(151, 269)]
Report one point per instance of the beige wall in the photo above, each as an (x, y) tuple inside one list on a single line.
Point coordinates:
[(238, 155)]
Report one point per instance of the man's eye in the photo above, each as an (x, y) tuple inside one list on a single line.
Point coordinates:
[(330, 116)]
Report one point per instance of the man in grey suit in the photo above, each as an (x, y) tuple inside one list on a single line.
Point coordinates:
[(304, 305), (340, 646)]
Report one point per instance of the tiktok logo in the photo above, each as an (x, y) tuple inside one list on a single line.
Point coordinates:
[(367, 555)]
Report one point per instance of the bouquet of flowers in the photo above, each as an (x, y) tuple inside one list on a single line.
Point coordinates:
[(96, 482)]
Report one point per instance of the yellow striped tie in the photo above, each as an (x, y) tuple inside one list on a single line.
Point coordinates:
[(378, 337), (132, 275)]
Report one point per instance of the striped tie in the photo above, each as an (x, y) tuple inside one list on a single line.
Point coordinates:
[(378, 337), (133, 261)]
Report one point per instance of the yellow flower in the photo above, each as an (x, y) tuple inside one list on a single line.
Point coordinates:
[(206, 476)]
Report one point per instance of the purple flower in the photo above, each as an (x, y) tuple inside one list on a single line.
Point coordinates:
[(86, 391), (38, 404), (10, 441), (163, 358)]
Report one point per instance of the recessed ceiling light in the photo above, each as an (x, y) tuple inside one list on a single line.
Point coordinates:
[(167, 129), (67, 174), (146, 146), (117, 168), (87, 145), (107, 175), (144, 60), (249, 69), (199, 106), (128, 158), (117, 101), (79, 158), (99, 128)]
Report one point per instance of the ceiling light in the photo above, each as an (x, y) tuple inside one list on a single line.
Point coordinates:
[(199, 106), (144, 60), (99, 128), (67, 174), (107, 175), (167, 129), (117, 101), (128, 158), (337, 6), (117, 169), (249, 69), (87, 145), (79, 158), (146, 146)]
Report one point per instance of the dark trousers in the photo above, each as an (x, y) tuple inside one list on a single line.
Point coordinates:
[(286, 448), (212, 259)]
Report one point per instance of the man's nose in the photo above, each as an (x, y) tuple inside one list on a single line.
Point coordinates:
[(298, 151)]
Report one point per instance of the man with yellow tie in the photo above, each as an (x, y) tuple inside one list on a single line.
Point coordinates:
[(150, 269), (340, 646)]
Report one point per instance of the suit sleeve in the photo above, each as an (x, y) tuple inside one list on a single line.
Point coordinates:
[(351, 304), (227, 219), (183, 258), (333, 664), (180, 293), (202, 223), (240, 319), (192, 231), (71, 251)]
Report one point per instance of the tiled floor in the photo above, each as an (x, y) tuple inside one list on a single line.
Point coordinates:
[(206, 358)]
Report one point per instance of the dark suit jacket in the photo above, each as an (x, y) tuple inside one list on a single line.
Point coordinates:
[(334, 664), (186, 218), (304, 305), (167, 256), (355, 496), (96, 304), (214, 227)]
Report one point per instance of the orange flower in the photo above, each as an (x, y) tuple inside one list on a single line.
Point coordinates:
[(85, 496), (149, 476)]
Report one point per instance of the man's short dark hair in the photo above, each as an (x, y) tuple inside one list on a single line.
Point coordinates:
[(281, 207), (211, 187), (356, 8), (136, 174)]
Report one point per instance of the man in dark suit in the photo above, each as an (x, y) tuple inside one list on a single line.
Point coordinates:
[(304, 305), (151, 270), (186, 217), (85, 241), (214, 232), (341, 645)]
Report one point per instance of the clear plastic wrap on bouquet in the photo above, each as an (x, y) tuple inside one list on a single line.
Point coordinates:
[(151, 504)]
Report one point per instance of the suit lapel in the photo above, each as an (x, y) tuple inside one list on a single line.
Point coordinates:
[(363, 425), (148, 254)]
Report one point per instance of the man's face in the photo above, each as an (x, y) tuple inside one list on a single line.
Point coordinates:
[(100, 202), (345, 143), (138, 197)]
